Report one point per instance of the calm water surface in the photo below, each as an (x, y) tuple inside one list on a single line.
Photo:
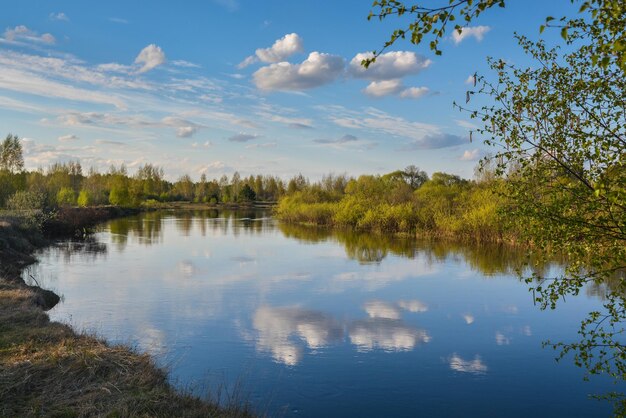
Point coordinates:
[(321, 324)]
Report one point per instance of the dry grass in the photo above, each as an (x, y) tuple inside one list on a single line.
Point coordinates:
[(47, 369)]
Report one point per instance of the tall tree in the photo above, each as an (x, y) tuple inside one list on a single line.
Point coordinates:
[(11, 158)]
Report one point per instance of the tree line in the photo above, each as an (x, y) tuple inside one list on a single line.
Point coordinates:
[(66, 184)]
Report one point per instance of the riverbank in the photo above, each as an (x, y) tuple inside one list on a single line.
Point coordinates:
[(48, 369)]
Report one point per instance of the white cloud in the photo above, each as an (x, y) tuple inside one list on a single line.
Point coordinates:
[(22, 33), (281, 49), (185, 64), (394, 87), (374, 120), (390, 65), (185, 131), (383, 88), (318, 69), (470, 79), (414, 92), (206, 144), (469, 319), (59, 16), (466, 124), (151, 57), (67, 138), (478, 32), (24, 82), (247, 62), (470, 155)]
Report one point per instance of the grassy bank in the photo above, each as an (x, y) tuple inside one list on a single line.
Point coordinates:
[(48, 369)]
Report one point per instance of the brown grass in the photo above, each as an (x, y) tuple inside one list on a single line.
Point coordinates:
[(47, 369)]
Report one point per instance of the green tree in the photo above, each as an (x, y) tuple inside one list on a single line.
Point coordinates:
[(66, 196), (560, 131), (246, 194), (11, 158)]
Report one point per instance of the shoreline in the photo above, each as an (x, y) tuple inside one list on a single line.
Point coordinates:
[(49, 369)]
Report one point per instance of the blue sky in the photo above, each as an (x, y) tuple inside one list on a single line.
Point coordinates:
[(268, 87)]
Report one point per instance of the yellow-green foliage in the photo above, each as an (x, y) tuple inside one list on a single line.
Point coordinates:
[(84, 199), (446, 206), (66, 196)]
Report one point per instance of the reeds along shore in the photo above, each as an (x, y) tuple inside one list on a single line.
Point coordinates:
[(48, 369), (445, 206)]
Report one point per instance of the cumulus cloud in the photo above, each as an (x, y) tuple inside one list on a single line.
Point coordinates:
[(394, 87), (24, 34), (151, 57), (59, 16), (468, 155), (318, 69), (67, 138), (478, 32), (279, 51), (388, 66), (383, 88), (242, 137)]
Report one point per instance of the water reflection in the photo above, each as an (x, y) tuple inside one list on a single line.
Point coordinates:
[(385, 334), (313, 312), (475, 366), (282, 331), (277, 328)]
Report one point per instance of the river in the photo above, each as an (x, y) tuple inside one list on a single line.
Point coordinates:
[(313, 323)]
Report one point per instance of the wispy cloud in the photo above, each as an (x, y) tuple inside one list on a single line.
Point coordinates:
[(119, 20), (242, 137), (150, 57), (23, 34), (67, 138), (470, 155), (59, 16)]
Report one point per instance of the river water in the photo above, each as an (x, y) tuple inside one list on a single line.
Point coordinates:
[(313, 323)]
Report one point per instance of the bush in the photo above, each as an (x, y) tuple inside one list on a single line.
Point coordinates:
[(66, 196), (84, 199)]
